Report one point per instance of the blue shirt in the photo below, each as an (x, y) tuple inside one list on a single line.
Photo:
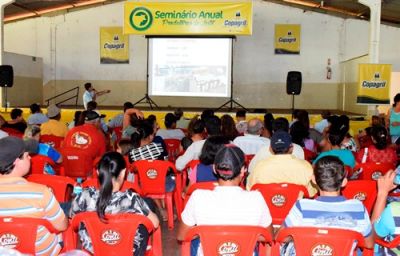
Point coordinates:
[(343, 154), (387, 226), (46, 150), (37, 118)]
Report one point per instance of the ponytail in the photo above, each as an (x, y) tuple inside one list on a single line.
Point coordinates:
[(379, 136)]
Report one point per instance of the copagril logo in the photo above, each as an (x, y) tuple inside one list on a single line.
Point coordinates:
[(141, 18), (228, 249), (111, 237), (322, 250), (151, 174), (9, 240), (278, 200), (360, 196)]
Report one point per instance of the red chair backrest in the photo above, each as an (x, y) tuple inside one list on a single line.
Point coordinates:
[(13, 132), (77, 163), (54, 141), (280, 197), (210, 185), (225, 240), (20, 233), (372, 171), (152, 175), (91, 182), (392, 244), (321, 241), (309, 155), (60, 186), (247, 159), (38, 162), (172, 148), (363, 190), (116, 236)]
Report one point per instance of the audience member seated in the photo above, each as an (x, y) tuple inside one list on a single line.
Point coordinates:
[(131, 119), (181, 121), (241, 123), (36, 117), (264, 152), (54, 126), (17, 122), (170, 131), (301, 136), (321, 125), (92, 106), (195, 132), (348, 141), (364, 136), (25, 199), (88, 136), (335, 137), (152, 120), (252, 141), (227, 204), (124, 146), (213, 127), (379, 151), (282, 166), (109, 200), (329, 209), (313, 134), (228, 127), (117, 120), (268, 121), (76, 120), (204, 170)]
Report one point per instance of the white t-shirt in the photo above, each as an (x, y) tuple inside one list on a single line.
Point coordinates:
[(3, 134), (251, 144), (87, 97), (170, 134), (192, 153)]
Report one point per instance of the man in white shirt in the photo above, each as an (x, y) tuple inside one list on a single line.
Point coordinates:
[(228, 203), (91, 94), (252, 141), (170, 131)]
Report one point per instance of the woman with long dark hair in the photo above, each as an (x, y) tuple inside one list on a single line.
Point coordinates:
[(228, 127), (109, 200)]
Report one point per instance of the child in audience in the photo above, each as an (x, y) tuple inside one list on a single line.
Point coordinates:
[(124, 146), (330, 209)]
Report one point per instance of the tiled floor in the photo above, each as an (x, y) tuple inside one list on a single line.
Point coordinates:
[(170, 245)]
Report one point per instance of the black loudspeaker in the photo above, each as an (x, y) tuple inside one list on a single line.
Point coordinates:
[(6, 76), (293, 83)]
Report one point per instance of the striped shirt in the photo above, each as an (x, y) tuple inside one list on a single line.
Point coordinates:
[(388, 226), (20, 198), (152, 151)]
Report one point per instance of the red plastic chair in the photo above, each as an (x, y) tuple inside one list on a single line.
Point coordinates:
[(280, 198), (13, 132), (185, 172), (321, 241), (392, 244), (55, 141), (363, 190), (247, 159), (20, 233), (372, 171), (172, 149), (116, 236), (38, 162), (77, 163), (60, 186), (226, 240), (210, 185), (91, 182), (152, 174)]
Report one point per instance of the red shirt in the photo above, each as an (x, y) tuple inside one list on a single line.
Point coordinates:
[(88, 138), (387, 155)]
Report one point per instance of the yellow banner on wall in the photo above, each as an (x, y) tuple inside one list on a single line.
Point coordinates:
[(287, 38), (188, 18), (374, 83), (114, 46)]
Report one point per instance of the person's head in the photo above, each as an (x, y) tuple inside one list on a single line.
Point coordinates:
[(16, 114), (54, 112), (268, 120), (91, 105), (254, 126), (229, 163), (143, 135), (241, 115), (295, 113), (379, 137), (329, 174), (128, 105), (32, 132), (151, 119), (88, 86), (14, 160), (396, 100), (111, 173), (196, 126), (376, 120), (178, 113), (335, 136), (77, 115), (299, 133), (325, 114), (344, 123), (124, 146), (303, 117), (281, 143), (35, 108), (206, 114), (93, 118), (228, 127), (213, 125), (280, 124), (170, 121), (211, 147)]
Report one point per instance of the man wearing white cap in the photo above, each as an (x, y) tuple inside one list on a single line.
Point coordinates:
[(54, 126)]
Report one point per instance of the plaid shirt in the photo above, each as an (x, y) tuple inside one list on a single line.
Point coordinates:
[(152, 151)]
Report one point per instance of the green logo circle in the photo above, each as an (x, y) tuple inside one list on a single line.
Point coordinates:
[(141, 18)]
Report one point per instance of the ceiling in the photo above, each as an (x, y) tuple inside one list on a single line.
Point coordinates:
[(22, 9)]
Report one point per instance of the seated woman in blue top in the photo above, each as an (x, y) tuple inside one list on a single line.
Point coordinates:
[(204, 170), (335, 137)]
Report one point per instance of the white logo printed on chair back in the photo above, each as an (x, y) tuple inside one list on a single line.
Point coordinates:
[(151, 174), (322, 250), (9, 240), (228, 248), (376, 175), (361, 196), (111, 237), (278, 200)]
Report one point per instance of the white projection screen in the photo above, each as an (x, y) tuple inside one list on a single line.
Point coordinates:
[(196, 67)]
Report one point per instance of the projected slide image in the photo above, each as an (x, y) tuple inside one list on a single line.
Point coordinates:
[(190, 67)]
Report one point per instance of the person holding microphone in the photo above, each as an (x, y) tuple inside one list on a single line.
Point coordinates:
[(91, 94)]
